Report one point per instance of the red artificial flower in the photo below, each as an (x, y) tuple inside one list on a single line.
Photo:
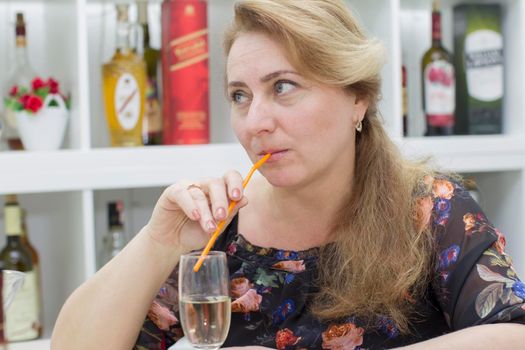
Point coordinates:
[(24, 99), (34, 103), (38, 83), (53, 86), (14, 91)]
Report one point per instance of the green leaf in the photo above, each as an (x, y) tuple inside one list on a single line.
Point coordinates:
[(264, 279), (486, 300)]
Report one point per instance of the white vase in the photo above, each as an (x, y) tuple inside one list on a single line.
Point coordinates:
[(43, 130)]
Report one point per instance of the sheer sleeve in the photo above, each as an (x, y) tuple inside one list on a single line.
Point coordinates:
[(161, 328), (475, 280)]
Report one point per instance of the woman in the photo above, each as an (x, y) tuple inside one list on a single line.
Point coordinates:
[(343, 244)]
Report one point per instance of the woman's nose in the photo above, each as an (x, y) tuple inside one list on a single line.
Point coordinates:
[(260, 117)]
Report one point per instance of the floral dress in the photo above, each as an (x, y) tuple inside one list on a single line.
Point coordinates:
[(271, 289)]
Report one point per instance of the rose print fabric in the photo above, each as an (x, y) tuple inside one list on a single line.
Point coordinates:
[(474, 282)]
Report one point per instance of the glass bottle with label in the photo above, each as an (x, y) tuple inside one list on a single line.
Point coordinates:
[(438, 82), (22, 317), (124, 85), (115, 239), (22, 75), (152, 122), (36, 263)]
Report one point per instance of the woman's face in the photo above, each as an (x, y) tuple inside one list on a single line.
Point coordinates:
[(308, 127)]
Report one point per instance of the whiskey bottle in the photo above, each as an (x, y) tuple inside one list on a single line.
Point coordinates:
[(185, 72), (124, 86), (22, 318), (438, 82), (152, 121)]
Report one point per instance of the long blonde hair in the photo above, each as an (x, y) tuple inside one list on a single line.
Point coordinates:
[(381, 258)]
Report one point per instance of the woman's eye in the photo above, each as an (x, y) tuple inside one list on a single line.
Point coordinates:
[(284, 86), (238, 97)]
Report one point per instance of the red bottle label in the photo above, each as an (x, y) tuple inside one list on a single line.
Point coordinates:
[(185, 72)]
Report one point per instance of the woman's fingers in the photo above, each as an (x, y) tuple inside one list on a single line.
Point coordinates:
[(179, 197), (233, 180)]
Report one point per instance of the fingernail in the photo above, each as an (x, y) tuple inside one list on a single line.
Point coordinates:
[(236, 193), (220, 213), (196, 215), (211, 225)]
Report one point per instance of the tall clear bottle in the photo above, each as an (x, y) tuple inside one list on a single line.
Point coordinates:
[(22, 75), (152, 122), (124, 84), (115, 238), (22, 318), (438, 82)]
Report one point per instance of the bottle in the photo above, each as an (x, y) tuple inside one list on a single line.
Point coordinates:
[(185, 72), (438, 82), (22, 75), (124, 86), (3, 342), (479, 46), (152, 121), (404, 101), (36, 261), (115, 239), (22, 317)]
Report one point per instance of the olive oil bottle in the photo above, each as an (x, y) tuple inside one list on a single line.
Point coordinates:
[(124, 85)]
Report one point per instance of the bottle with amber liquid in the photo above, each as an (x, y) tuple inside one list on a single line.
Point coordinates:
[(22, 75), (22, 318), (152, 121), (439, 82), (124, 85)]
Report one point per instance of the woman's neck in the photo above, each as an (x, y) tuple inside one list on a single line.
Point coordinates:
[(295, 218)]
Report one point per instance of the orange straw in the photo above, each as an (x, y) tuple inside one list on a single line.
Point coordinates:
[(220, 225)]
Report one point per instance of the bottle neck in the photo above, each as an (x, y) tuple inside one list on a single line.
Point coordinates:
[(436, 28), (14, 240), (145, 30), (21, 55), (123, 37)]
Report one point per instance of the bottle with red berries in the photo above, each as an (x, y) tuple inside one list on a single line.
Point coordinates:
[(438, 82)]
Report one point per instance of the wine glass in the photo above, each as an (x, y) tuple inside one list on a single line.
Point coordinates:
[(12, 281), (204, 300)]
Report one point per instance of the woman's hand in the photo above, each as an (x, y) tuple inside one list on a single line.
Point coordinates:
[(188, 212)]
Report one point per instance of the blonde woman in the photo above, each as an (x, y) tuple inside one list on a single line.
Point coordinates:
[(340, 244)]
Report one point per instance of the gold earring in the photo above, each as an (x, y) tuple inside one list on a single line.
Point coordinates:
[(359, 126)]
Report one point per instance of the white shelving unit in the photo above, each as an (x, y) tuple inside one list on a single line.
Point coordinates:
[(65, 192)]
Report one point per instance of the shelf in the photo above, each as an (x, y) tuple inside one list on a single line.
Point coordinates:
[(66, 170), (468, 153), (31, 345), (106, 168)]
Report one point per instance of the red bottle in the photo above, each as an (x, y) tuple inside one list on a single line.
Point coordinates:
[(185, 72)]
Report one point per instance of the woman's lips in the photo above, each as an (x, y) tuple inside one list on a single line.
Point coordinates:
[(276, 155)]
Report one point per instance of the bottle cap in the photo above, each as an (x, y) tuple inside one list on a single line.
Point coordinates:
[(20, 25), (11, 199)]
